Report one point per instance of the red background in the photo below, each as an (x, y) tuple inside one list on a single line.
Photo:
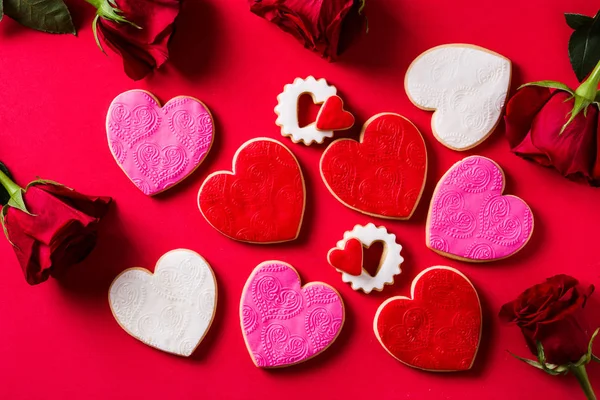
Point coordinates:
[(59, 339)]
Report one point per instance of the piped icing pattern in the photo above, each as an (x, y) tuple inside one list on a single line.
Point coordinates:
[(283, 323), (470, 219), (157, 147)]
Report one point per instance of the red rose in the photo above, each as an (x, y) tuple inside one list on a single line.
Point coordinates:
[(60, 229), (139, 30), (534, 119), (317, 24), (552, 313)]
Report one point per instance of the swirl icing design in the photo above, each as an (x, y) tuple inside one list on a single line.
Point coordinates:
[(439, 328), (383, 174), (158, 147), (466, 86), (262, 201), (171, 309), (469, 218), (282, 322)]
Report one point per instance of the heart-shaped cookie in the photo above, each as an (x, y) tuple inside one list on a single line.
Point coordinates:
[(171, 309), (439, 328), (332, 116), (469, 218), (383, 174), (158, 147), (262, 201), (466, 86), (348, 259), (283, 323)]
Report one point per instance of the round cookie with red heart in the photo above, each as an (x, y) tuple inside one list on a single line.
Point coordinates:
[(438, 328), (262, 200), (383, 174), (331, 117), (347, 257)]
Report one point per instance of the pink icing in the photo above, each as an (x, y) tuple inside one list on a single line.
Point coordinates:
[(158, 147), (282, 322), (470, 218)]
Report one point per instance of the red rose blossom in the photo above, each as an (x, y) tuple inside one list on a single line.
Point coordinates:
[(534, 119), (317, 24), (57, 229), (139, 30), (551, 313)]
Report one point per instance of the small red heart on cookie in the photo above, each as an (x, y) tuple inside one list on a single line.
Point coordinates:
[(349, 259), (439, 328), (333, 117)]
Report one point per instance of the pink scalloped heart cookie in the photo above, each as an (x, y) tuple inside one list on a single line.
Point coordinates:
[(157, 147), (469, 217), (284, 323)]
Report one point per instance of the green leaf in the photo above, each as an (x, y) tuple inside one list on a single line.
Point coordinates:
[(549, 84), (50, 16), (576, 21), (527, 361), (4, 195), (591, 344), (580, 104), (548, 368), (598, 97), (1, 10), (17, 201), (584, 48)]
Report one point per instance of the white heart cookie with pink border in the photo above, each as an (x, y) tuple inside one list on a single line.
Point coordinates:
[(157, 147)]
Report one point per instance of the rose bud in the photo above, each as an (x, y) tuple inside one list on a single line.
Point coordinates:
[(138, 30), (318, 25), (557, 127), (50, 226), (552, 320)]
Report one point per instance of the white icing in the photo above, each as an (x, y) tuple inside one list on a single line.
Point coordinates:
[(467, 85), (287, 109), (390, 265), (171, 309)]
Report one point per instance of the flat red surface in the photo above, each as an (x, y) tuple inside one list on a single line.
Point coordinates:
[(59, 340)]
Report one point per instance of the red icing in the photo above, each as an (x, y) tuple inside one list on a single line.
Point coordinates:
[(333, 117), (263, 201), (384, 174), (439, 330), (349, 259)]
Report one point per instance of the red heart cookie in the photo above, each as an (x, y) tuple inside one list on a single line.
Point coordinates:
[(333, 117), (349, 259), (439, 328), (383, 174), (262, 201)]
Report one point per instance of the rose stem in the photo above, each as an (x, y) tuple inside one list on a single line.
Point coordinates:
[(589, 88), (582, 377), (8, 184)]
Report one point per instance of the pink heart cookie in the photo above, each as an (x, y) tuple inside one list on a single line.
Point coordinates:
[(469, 218), (158, 147), (283, 323)]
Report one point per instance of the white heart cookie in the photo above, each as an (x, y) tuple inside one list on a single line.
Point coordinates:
[(466, 86), (171, 309)]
